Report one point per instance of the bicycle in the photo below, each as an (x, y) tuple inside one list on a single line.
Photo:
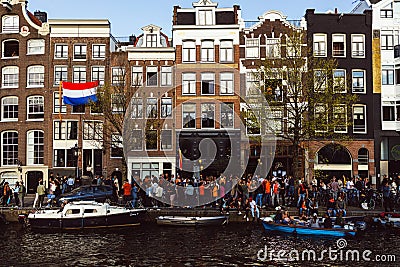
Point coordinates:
[(139, 204)]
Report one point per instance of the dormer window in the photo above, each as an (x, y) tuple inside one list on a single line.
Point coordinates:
[(10, 24), (387, 11), (151, 40), (205, 17)]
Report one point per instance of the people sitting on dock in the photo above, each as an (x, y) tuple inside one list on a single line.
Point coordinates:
[(327, 221), (331, 206), (339, 219), (278, 215), (313, 222), (340, 206), (303, 207)]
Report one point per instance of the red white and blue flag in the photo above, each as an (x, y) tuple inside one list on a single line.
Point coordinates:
[(75, 94)]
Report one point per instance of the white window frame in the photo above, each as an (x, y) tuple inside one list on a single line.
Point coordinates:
[(226, 83), (319, 85), (36, 47), (79, 74), (252, 48), (190, 111), (151, 103), (170, 145), (61, 53), (13, 73), (37, 71), (137, 108), (100, 71), (166, 107), (137, 75), (320, 39), (12, 103), (34, 102), (63, 70), (166, 76), (116, 142), (118, 76), (358, 45), (189, 51), (335, 81), (81, 53), (139, 141), (335, 52), (98, 51), (145, 140), (226, 51), (189, 83), (230, 111), (92, 130), (355, 80), (10, 24), (365, 119), (209, 78), (321, 109), (151, 69), (207, 51), (13, 160), (207, 108), (273, 48), (339, 110), (4, 49), (205, 17), (34, 149)]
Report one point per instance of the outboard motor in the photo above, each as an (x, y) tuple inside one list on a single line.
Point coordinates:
[(23, 219)]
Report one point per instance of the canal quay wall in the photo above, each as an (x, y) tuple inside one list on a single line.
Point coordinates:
[(11, 214)]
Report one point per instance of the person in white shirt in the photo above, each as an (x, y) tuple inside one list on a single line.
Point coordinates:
[(254, 209)]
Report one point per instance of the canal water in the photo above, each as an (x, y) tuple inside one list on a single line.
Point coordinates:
[(152, 245)]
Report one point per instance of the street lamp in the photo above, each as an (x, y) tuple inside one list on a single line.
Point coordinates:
[(75, 151)]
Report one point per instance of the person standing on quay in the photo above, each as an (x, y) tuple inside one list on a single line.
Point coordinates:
[(127, 191), (41, 191), (22, 192), (6, 194), (16, 192)]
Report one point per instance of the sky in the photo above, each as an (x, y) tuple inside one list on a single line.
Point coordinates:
[(127, 17)]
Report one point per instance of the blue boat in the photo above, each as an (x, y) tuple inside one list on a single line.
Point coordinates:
[(270, 225)]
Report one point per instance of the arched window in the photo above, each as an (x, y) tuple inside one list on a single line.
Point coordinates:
[(35, 47), (10, 77), (35, 147), (10, 48), (9, 143), (35, 107), (363, 156), (333, 154), (35, 76), (9, 108), (10, 23)]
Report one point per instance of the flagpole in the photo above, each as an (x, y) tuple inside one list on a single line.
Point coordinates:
[(60, 101)]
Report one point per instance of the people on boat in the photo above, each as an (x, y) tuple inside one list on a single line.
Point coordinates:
[(339, 219), (278, 215), (313, 222), (327, 221), (127, 188), (286, 218)]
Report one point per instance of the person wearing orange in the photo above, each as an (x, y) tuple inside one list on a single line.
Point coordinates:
[(126, 187), (267, 192)]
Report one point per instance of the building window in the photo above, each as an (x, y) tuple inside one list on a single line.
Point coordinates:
[(226, 51), (137, 76), (166, 76), (276, 120), (35, 107), (338, 45), (387, 77), (252, 84), (93, 130), (151, 40), (273, 49), (358, 81), (10, 23), (189, 116), (293, 48), (151, 76), (321, 118), (117, 147), (386, 40), (56, 103), (252, 48), (388, 111), (387, 11), (166, 139), (226, 83), (188, 83), (60, 74), (118, 103), (10, 77), (80, 109), (118, 76), (151, 108), (320, 80), (188, 51), (207, 83), (207, 115), (357, 45), (35, 76), (10, 148), (205, 17), (35, 149), (137, 140), (36, 47), (62, 156), (363, 156), (10, 48), (151, 140), (80, 52), (9, 108), (60, 130), (359, 119), (72, 130), (137, 108), (320, 45), (98, 74), (207, 51), (339, 81), (340, 118), (99, 51), (227, 115), (79, 75), (166, 107), (61, 51)]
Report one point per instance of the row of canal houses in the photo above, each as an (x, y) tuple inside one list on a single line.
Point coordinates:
[(190, 88)]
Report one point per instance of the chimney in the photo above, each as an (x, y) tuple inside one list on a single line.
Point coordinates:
[(41, 15), (336, 11), (132, 39)]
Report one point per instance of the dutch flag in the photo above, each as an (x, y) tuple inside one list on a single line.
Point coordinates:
[(75, 94)]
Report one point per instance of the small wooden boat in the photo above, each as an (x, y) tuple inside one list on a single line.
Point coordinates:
[(270, 225), (192, 221), (85, 215)]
